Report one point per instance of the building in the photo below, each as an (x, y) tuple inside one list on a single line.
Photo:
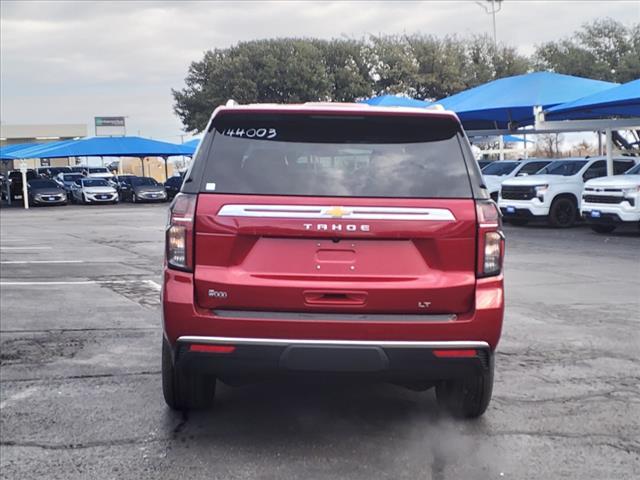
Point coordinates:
[(13, 134)]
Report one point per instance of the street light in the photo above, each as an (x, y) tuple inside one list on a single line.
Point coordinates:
[(496, 6)]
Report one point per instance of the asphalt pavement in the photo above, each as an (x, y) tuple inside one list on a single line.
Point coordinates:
[(80, 394)]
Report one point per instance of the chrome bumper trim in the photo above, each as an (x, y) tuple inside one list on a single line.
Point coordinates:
[(344, 317), (353, 343)]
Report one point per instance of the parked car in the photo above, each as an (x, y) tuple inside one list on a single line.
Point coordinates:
[(608, 202), (360, 241), (117, 181), (78, 169), (172, 185), (483, 163), (98, 172), (142, 189), (555, 192), (55, 171), (498, 172), (93, 190), (43, 172), (13, 183), (44, 191), (66, 181)]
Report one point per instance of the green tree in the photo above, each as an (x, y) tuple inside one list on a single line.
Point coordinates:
[(604, 50), (281, 71)]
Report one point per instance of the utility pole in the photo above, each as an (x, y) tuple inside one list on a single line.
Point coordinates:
[(496, 6)]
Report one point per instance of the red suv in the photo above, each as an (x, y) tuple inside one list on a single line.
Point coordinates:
[(340, 239)]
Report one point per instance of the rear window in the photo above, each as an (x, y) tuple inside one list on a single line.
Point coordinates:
[(95, 183), (499, 168), (634, 171), (531, 168), (43, 184), (324, 155), (565, 168), (143, 181)]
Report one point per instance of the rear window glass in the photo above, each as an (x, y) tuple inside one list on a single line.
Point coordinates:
[(531, 168), (323, 155), (565, 168), (499, 168), (95, 183), (634, 171), (143, 181), (43, 184)]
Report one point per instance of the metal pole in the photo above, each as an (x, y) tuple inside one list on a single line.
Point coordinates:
[(25, 197), (501, 138), (609, 152), (142, 161), (166, 169), (493, 12), (526, 153)]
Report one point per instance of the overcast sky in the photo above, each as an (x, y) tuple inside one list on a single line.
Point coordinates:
[(66, 62)]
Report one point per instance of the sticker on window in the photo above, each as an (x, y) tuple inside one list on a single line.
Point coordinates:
[(263, 133), (210, 186)]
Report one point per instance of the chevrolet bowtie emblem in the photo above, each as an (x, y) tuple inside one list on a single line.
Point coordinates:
[(337, 212)]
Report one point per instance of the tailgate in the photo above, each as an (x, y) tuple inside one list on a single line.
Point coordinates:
[(301, 254)]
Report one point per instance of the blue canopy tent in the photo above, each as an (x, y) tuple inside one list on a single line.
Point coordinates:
[(508, 103), (395, 101), (193, 143), (622, 101), (6, 151), (107, 147), (514, 139)]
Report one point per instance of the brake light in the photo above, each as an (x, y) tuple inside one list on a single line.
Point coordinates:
[(490, 239), (180, 232), (457, 353), (212, 348)]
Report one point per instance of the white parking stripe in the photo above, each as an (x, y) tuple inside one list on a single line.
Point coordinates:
[(20, 262), (25, 248), (155, 285)]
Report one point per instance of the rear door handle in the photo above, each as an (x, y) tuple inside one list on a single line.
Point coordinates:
[(320, 297)]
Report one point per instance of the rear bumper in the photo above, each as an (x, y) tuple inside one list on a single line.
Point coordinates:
[(242, 357), (182, 317)]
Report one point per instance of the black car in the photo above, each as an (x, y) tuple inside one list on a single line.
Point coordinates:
[(172, 185), (13, 183), (142, 189), (43, 191)]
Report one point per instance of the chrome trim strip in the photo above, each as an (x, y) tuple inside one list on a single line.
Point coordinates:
[(354, 317), (337, 213), (354, 343)]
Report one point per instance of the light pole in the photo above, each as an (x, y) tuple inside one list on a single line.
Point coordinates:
[(496, 6)]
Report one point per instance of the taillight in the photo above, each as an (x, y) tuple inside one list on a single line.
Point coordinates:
[(490, 239), (180, 232)]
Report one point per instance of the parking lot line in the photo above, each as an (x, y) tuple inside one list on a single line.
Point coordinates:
[(20, 262), (74, 282), (25, 248)]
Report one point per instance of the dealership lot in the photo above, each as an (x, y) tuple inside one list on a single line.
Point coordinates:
[(80, 389)]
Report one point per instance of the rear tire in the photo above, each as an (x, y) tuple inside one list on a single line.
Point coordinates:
[(563, 213), (467, 397), (518, 222), (185, 390), (603, 228)]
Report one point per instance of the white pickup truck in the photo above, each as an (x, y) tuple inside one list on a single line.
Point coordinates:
[(497, 172), (555, 192), (611, 201)]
